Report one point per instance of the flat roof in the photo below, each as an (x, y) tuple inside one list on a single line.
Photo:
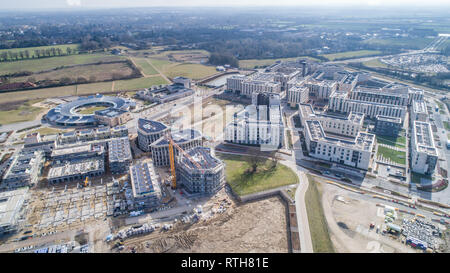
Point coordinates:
[(363, 141), (424, 137), (202, 156), (10, 204), (143, 179)]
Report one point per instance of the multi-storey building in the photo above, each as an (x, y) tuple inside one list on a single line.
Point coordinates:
[(297, 94), (119, 155), (419, 111), (320, 90), (145, 184), (343, 103), (258, 124), (346, 126), (149, 131), (204, 176), (423, 152), (355, 153), (24, 170), (186, 140)]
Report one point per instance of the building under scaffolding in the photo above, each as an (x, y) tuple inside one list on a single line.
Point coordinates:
[(206, 176), (145, 185)]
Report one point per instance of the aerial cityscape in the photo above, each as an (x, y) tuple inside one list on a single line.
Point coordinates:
[(211, 129)]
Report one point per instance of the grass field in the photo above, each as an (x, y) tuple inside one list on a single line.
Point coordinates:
[(145, 66), (265, 179), (23, 112), (252, 63), (45, 64), (399, 141), (395, 156), (375, 63), (134, 84), (161, 64), (351, 54), (318, 226), (31, 50), (192, 71), (413, 43), (101, 72)]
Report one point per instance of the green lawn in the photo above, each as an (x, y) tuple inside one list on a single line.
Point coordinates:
[(446, 125), (351, 54), (192, 71), (393, 155), (412, 43), (399, 141), (43, 131), (24, 112), (140, 83), (91, 110), (375, 63), (31, 50), (145, 66), (243, 183), (318, 226), (45, 64)]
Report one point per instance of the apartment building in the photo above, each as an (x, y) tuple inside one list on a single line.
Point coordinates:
[(346, 126), (423, 153), (355, 152)]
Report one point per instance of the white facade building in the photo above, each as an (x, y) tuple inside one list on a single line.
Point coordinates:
[(355, 153), (424, 154), (419, 111), (349, 126)]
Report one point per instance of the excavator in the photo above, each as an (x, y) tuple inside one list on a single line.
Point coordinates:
[(85, 183), (172, 159)]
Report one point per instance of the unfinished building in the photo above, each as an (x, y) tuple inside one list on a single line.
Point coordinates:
[(186, 139), (68, 171), (119, 155), (24, 170), (11, 209), (205, 176), (145, 185)]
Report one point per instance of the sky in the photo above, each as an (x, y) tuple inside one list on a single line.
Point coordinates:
[(58, 4)]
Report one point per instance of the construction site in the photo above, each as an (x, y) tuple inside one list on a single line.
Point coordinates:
[(360, 222), (219, 225)]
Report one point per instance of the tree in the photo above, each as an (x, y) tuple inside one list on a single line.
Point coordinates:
[(254, 160)]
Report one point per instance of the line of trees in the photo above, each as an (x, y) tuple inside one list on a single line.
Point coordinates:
[(37, 53)]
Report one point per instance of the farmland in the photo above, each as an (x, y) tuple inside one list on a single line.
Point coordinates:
[(45, 64), (100, 72)]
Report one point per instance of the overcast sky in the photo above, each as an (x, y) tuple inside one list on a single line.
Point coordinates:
[(56, 4)]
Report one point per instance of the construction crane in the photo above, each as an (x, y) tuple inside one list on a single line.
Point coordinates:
[(172, 159)]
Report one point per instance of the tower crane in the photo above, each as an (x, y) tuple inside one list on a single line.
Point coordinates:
[(172, 159)]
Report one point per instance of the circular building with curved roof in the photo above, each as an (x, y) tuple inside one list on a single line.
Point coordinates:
[(67, 115)]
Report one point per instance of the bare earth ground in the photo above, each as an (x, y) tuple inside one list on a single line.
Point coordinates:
[(252, 227), (349, 221)]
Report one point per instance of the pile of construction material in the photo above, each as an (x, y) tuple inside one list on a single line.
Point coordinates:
[(132, 231), (420, 233)]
